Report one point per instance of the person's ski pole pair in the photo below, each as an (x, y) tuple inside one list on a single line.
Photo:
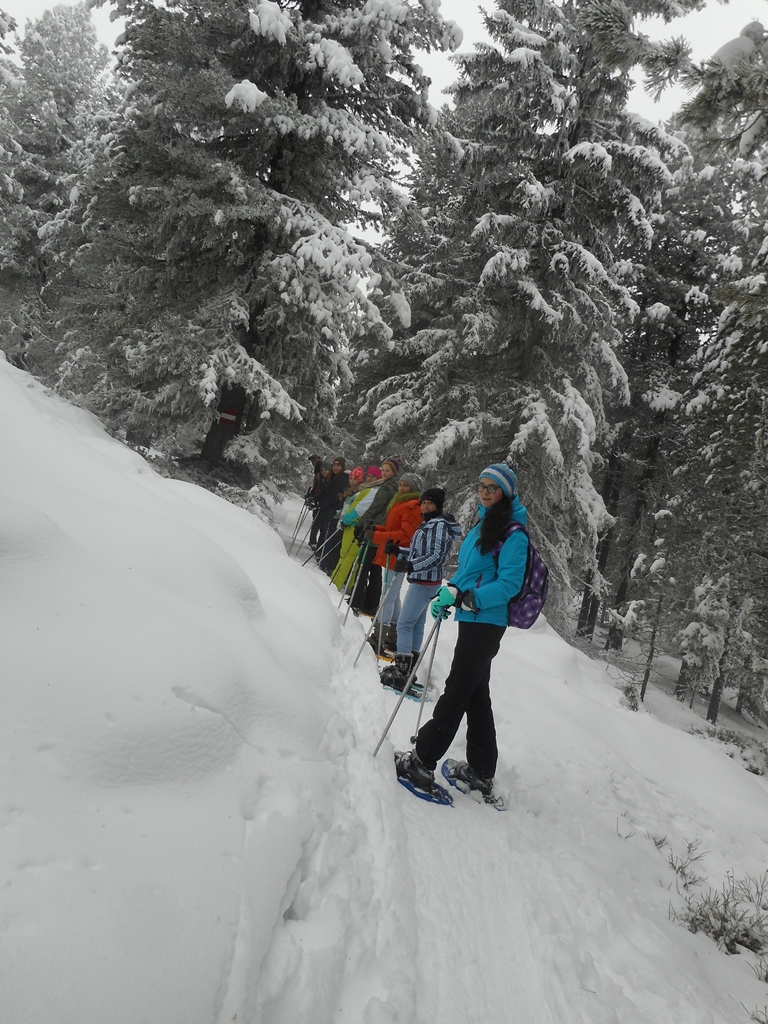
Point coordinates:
[(435, 633), (299, 522), (318, 551), (373, 623), (364, 549), (355, 565)]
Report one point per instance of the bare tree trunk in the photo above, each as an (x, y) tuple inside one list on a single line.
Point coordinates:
[(714, 701), (615, 632), (681, 686), (652, 650), (717, 690), (590, 602), (226, 425)]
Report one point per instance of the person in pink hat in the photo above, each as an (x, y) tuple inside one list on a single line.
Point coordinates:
[(368, 589)]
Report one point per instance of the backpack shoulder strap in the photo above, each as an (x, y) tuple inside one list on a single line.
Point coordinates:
[(509, 529)]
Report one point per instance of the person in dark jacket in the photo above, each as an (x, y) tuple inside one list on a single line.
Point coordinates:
[(330, 501), (312, 496), (367, 592), (332, 547), (490, 573)]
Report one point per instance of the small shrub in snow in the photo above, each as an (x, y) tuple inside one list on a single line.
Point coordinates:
[(631, 696), (683, 866), (658, 841), (736, 917)]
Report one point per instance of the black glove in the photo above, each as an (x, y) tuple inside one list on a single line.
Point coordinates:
[(311, 502), (403, 565), (369, 531), (392, 548), (466, 599), (357, 532)]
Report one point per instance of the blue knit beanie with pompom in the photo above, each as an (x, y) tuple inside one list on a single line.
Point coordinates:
[(501, 474)]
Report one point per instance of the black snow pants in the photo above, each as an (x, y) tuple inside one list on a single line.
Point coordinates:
[(467, 692)]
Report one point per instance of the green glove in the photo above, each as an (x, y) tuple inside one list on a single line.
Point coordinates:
[(445, 599)]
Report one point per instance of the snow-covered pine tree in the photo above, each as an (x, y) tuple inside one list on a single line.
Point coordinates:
[(740, 668), (510, 260), (730, 101), (704, 220), (650, 574), (730, 110), (7, 25), (746, 668), (48, 100), (254, 140), (703, 639), (10, 190)]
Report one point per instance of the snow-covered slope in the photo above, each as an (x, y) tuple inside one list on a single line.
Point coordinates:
[(193, 829)]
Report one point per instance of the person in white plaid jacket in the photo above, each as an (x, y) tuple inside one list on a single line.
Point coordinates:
[(423, 561)]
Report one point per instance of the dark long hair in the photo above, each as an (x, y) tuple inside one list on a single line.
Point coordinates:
[(494, 523)]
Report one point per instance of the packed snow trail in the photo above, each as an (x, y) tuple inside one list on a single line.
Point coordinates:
[(557, 912)]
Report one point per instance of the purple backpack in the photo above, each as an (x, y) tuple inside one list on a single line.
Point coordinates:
[(525, 607)]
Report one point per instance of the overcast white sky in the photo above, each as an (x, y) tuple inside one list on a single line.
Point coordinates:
[(706, 30)]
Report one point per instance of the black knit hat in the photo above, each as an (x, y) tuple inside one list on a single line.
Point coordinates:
[(435, 494)]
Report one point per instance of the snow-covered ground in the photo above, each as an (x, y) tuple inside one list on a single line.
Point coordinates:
[(193, 829)]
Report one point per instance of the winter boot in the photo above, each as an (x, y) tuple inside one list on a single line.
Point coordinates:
[(460, 770), (373, 640), (404, 664), (409, 766), (396, 676), (414, 775), (390, 636)]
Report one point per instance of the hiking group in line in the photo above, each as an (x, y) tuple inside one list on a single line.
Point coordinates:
[(379, 528)]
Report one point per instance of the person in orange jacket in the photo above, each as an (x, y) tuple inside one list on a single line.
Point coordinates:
[(402, 521)]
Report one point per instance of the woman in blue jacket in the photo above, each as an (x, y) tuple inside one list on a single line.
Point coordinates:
[(490, 573)]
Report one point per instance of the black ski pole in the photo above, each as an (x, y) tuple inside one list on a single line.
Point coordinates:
[(338, 566), (317, 551), (306, 537), (357, 581), (349, 574), (426, 681), (407, 686), (338, 534), (373, 623), (299, 521), (387, 588)]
